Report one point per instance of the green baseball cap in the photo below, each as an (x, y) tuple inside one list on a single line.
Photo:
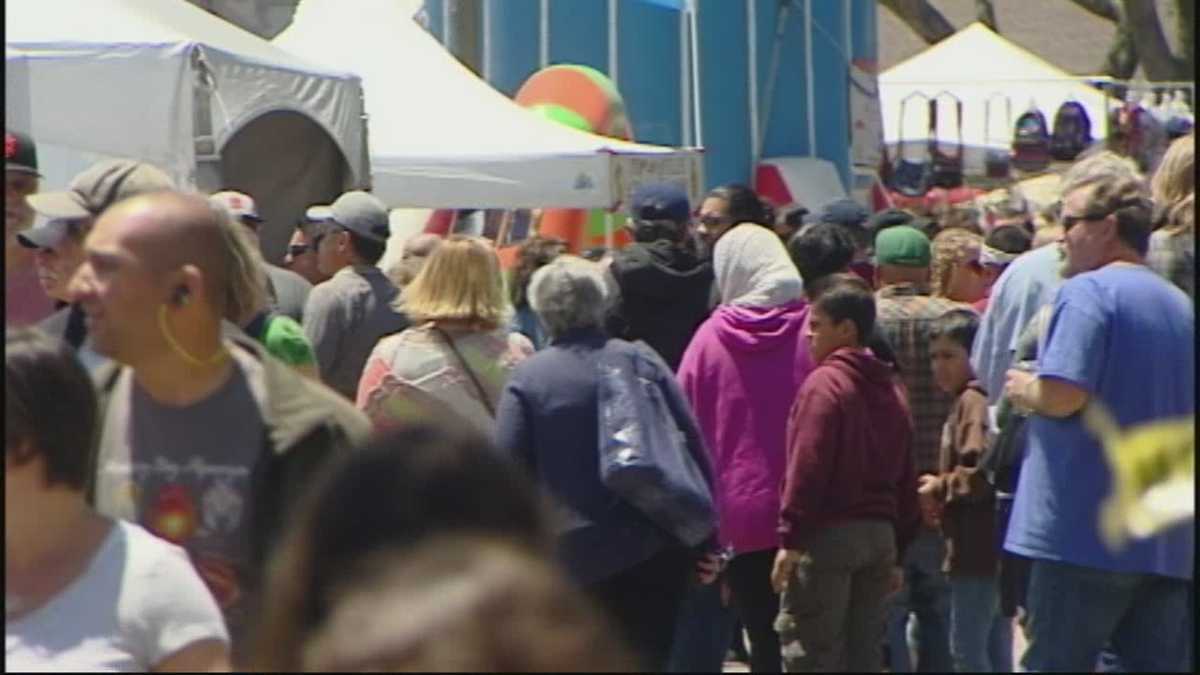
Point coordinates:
[(903, 246)]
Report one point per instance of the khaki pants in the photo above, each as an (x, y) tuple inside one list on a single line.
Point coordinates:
[(832, 614)]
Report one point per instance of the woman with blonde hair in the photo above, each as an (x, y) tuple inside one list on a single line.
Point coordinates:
[(458, 354), (1173, 243), (956, 272)]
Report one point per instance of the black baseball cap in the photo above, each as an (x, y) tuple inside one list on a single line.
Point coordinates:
[(660, 201), (20, 153)]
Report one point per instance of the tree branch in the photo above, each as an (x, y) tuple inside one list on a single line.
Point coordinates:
[(1141, 17), (923, 18), (1105, 9), (985, 12), (1185, 31)]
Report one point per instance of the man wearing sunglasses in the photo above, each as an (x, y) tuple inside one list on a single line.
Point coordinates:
[(1120, 337), (301, 256), (346, 315)]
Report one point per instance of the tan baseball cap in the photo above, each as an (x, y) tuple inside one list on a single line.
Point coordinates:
[(99, 187)]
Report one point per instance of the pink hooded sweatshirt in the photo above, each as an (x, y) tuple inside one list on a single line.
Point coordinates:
[(741, 373)]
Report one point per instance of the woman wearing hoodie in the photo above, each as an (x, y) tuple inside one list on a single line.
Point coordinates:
[(741, 373)]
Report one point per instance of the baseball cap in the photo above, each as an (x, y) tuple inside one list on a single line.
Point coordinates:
[(902, 245), (99, 187), (88, 195), (239, 204), (360, 212), (660, 201), (888, 218), (20, 153), (846, 212)]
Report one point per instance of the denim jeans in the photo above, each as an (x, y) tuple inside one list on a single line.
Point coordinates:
[(1075, 611), (926, 596), (980, 636), (702, 632)]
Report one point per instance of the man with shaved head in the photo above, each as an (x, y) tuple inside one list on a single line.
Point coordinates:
[(206, 440)]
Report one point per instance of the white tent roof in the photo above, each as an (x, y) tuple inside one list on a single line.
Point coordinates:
[(976, 64), (118, 77), (440, 137)]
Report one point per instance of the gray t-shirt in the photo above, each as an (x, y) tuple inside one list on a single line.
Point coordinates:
[(184, 473), (345, 317), (289, 291)]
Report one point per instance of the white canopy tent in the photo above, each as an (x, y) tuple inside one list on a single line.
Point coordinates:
[(167, 83), (977, 65), (440, 137)]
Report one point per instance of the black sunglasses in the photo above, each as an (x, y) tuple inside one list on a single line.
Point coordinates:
[(297, 250), (1071, 221), (711, 219)]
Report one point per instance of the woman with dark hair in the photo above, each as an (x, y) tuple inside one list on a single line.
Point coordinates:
[(730, 205), (81, 591), (532, 255), (401, 489)]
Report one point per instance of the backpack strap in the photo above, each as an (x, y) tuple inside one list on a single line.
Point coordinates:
[(483, 397)]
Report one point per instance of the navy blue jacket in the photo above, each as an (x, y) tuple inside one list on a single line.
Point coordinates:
[(547, 419)]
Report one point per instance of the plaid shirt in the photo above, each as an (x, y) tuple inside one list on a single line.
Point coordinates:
[(903, 314)]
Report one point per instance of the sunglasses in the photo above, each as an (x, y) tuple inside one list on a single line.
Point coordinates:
[(712, 219), (1071, 221), (297, 250)]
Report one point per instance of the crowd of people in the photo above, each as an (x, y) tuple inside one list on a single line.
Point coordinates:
[(854, 439)]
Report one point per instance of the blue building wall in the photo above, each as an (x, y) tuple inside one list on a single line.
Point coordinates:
[(649, 60)]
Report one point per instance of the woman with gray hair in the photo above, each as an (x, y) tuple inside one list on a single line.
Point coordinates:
[(548, 419)]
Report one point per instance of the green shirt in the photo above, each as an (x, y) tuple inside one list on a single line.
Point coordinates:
[(285, 340)]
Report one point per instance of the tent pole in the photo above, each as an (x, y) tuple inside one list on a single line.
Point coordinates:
[(544, 34), (487, 41), (809, 75), (685, 83), (693, 10), (613, 49), (608, 230), (781, 18), (752, 77)]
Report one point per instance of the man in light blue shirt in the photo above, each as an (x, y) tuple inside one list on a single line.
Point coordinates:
[(1121, 337)]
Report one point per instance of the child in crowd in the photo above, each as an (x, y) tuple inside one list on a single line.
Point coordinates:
[(963, 501)]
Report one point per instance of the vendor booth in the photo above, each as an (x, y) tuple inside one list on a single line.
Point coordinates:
[(166, 82)]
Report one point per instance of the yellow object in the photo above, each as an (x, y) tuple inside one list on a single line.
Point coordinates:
[(1153, 469)]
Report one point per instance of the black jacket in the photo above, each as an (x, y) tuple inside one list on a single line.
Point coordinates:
[(663, 298)]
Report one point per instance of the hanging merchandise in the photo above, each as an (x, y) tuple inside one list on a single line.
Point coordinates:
[(910, 177), (1072, 131), (1031, 141), (947, 167), (996, 161)]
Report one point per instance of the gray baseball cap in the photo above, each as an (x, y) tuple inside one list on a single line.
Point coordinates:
[(360, 212), (99, 187), (88, 195)]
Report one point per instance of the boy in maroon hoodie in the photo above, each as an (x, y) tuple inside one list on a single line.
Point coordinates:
[(849, 500)]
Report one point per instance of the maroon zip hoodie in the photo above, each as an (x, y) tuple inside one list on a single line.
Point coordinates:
[(849, 451)]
